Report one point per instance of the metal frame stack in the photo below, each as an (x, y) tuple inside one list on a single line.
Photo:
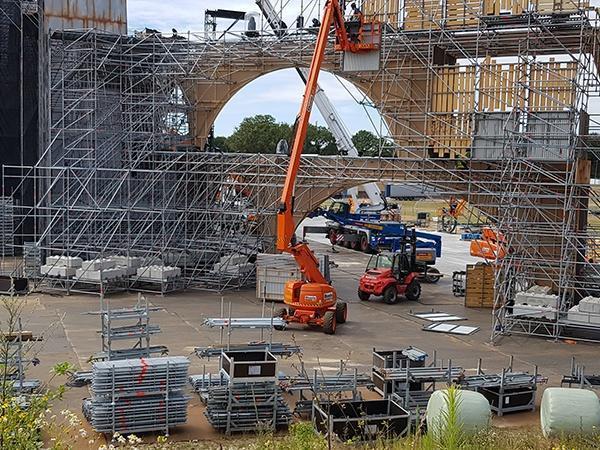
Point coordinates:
[(251, 399), (404, 376), (138, 329), (7, 226), (16, 360), (324, 388), (507, 391), (578, 377), (394, 359), (138, 395)]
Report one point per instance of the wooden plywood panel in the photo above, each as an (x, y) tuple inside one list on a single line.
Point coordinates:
[(387, 11), (462, 13), (423, 14), (453, 99), (552, 86)]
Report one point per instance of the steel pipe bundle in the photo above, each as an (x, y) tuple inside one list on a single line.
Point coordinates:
[(276, 348), (511, 380), (133, 331), (138, 395), (245, 322), (132, 376), (148, 413), (422, 374), (325, 383)]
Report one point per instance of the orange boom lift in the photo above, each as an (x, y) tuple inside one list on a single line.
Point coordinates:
[(313, 301)]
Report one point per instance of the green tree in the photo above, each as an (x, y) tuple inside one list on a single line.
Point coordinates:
[(319, 140), (258, 134), (368, 144), (221, 143)]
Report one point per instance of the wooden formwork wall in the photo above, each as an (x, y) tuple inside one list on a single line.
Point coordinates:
[(434, 14), (458, 92), (387, 11)]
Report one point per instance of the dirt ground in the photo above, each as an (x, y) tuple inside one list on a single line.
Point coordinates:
[(72, 335)]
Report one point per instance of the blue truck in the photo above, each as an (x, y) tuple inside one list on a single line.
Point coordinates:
[(369, 233)]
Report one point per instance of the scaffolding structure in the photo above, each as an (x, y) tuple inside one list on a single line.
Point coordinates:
[(492, 102)]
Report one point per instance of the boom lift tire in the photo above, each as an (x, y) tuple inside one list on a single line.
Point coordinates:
[(390, 295), (329, 323), (413, 291), (341, 312), (364, 296)]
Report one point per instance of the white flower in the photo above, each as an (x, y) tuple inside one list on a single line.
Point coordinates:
[(133, 439)]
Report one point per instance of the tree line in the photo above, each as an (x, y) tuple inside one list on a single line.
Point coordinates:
[(262, 133)]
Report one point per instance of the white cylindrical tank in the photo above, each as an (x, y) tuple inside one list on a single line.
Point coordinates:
[(473, 411), (569, 411)]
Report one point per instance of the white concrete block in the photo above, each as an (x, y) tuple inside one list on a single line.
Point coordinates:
[(58, 271), (64, 261)]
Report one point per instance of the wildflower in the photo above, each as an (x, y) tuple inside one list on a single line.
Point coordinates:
[(133, 439)]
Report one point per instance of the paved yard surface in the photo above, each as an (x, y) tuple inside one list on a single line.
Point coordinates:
[(72, 335)]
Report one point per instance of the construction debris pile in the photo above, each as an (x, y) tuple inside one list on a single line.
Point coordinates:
[(138, 395)]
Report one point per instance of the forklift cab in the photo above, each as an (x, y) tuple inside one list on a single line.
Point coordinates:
[(399, 262)]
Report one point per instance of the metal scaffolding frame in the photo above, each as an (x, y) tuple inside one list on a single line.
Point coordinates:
[(492, 106)]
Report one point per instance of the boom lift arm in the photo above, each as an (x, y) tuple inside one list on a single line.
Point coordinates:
[(331, 116), (285, 215), (313, 300)]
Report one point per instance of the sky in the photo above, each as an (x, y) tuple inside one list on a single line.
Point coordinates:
[(279, 93)]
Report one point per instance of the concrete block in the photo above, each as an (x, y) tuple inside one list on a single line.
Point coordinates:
[(98, 264), (58, 271), (64, 261)]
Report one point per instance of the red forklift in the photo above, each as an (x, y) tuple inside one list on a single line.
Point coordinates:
[(393, 275)]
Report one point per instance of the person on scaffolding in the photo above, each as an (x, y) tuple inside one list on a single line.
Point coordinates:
[(354, 22)]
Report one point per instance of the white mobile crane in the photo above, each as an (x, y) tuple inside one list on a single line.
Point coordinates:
[(332, 118)]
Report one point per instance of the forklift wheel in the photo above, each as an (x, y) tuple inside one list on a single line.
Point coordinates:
[(413, 291), (282, 312), (364, 296), (390, 295), (329, 324), (432, 275), (341, 312)]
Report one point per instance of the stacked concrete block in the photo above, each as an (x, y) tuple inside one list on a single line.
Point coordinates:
[(233, 264), (164, 273), (158, 273), (99, 264), (538, 312), (537, 302), (590, 305), (58, 271), (536, 299), (100, 269), (587, 312), (129, 264), (535, 289), (71, 262), (101, 275)]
